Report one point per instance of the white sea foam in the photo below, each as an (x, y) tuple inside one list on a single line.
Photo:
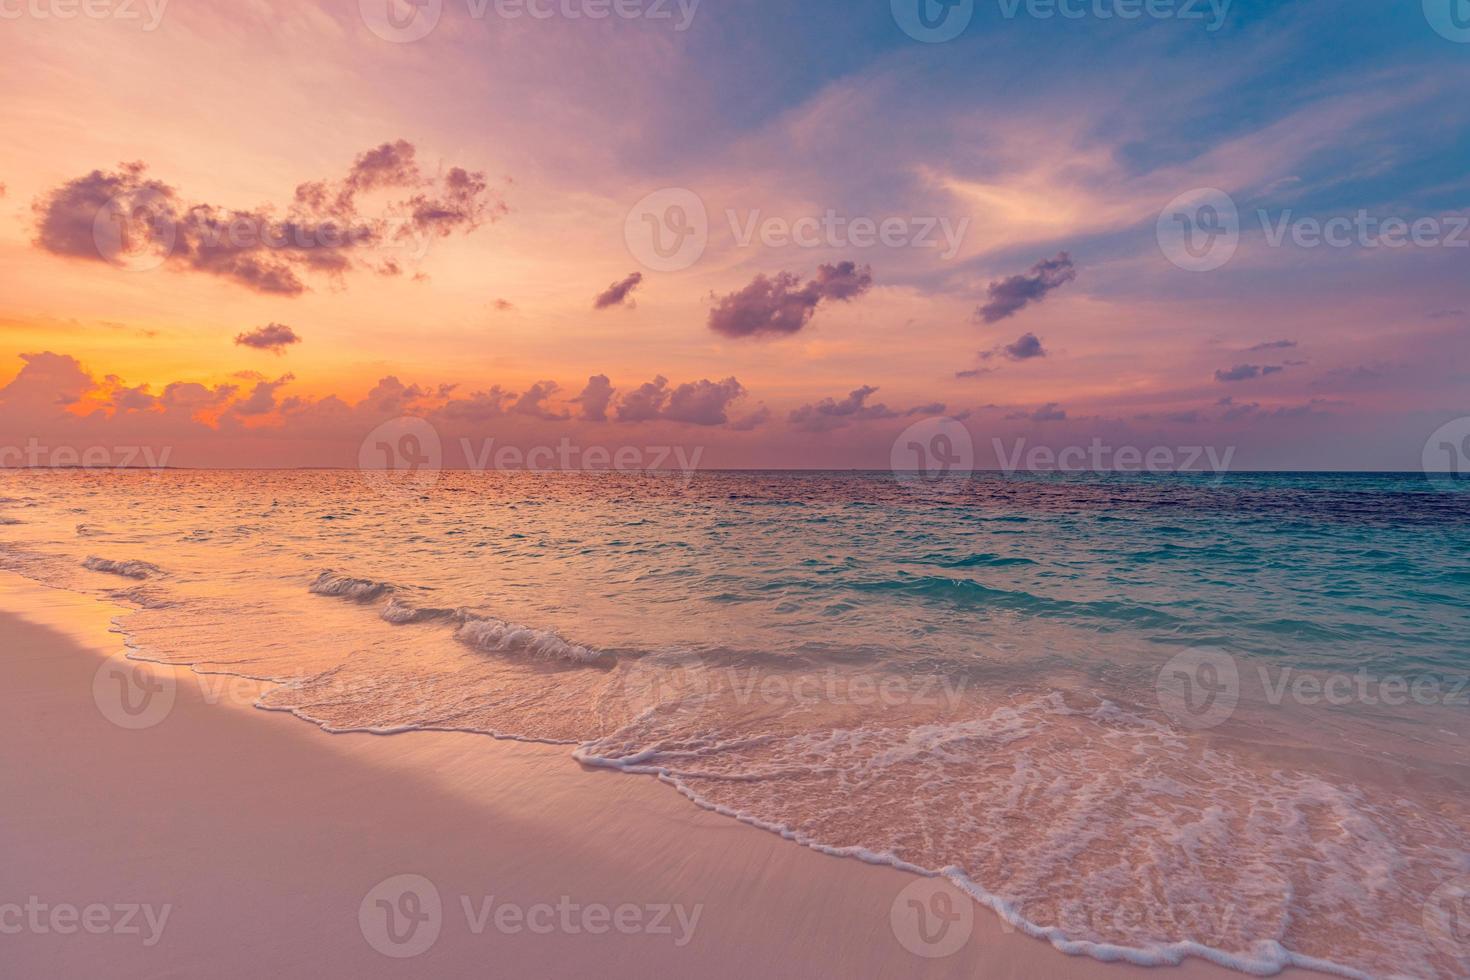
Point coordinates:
[(1050, 815), (128, 569), (488, 633), (399, 612), (346, 587)]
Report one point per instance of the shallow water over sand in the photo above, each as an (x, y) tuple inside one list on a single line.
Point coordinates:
[(1143, 717)]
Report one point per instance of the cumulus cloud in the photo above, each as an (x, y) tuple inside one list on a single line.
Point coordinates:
[(58, 399), (125, 215), (533, 402), (1245, 372), (781, 305), (392, 397), (274, 337), (595, 398), (1010, 295), (618, 293), (129, 399), (194, 399), (1272, 345), (1024, 348), (262, 398), (46, 381), (752, 420), (479, 406), (702, 402), (831, 413), (66, 219), (645, 402)]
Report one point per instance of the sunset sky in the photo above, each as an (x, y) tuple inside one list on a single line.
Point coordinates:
[(495, 168)]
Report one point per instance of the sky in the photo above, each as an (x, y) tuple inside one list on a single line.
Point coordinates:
[(254, 233)]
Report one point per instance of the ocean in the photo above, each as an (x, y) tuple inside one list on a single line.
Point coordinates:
[(1139, 716)]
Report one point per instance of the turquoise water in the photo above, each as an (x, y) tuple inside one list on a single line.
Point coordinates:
[(1139, 716)]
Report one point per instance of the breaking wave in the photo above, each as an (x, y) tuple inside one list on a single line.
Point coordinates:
[(346, 587), (128, 569)]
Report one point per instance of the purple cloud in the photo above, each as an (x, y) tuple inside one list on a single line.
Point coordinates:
[(1008, 296), (595, 398), (644, 403), (702, 402), (108, 216), (781, 305), (532, 402), (1246, 372), (617, 294), (480, 406), (752, 420), (829, 413), (274, 337), (1024, 348), (262, 398)]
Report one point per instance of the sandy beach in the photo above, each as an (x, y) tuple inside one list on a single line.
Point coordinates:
[(246, 842)]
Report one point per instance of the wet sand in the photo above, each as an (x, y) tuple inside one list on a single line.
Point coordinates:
[(250, 843)]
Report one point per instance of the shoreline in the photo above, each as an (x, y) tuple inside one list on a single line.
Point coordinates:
[(271, 842)]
